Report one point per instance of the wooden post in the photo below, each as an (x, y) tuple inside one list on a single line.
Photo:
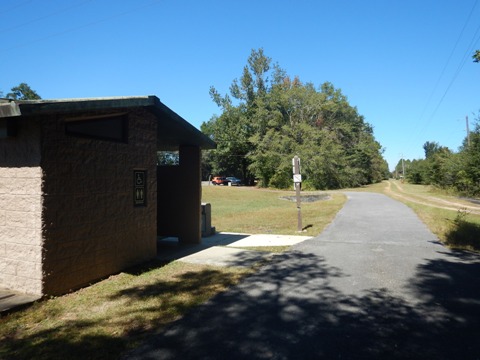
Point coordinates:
[(297, 180)]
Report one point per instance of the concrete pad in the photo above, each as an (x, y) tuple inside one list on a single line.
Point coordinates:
[(219, 249), (269, 240), (225, 256)]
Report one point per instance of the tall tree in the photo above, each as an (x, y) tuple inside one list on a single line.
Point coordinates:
[(472, 159), (23, 92), (431, 148), (274, 117), (233, 129), (232, 137)]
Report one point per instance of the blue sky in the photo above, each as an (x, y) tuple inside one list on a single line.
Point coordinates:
[(406, 65)]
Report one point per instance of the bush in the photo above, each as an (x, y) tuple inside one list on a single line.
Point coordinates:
[(464, 234)]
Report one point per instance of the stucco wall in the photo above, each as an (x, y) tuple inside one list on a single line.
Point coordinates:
[(91, 227), (20, 210)]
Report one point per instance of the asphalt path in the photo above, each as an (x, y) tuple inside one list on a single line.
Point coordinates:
[(376, 284)]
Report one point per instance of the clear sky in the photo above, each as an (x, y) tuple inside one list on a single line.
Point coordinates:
[(406, 65)]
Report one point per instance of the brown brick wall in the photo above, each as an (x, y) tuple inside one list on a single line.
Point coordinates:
[(91, 228), (20, 210)]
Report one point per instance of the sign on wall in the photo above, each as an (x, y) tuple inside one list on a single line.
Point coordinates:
[(140, 188)]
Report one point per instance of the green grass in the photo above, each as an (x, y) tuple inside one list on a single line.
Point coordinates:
[(464, 233), (112, 316), (258, 211), (106, 319)]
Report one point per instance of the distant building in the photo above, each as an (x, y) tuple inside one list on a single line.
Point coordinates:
[(81, 196)]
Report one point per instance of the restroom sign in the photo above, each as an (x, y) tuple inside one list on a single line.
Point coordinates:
[(139, 188)]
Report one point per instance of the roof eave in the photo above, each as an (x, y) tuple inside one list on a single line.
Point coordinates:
[(190, 134)]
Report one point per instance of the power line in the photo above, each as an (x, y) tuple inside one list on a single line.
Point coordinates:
[(7, 10), (43, 17), (73, 29), (449, 58), (457, 72), (459, 68)]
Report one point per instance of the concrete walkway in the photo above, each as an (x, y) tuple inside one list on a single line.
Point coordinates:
[(225, 249)]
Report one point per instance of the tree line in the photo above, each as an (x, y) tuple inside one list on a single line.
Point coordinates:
[(458, 171), (268, 117)]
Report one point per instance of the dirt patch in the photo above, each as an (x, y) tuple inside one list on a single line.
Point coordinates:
[(307, 198), (429, 200)]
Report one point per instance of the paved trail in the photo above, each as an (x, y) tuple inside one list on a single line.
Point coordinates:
[(375, 284)]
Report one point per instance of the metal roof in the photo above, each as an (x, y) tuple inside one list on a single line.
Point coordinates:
[(173, 130)]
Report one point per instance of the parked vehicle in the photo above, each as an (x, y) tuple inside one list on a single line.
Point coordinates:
[(219, 180), (233, 181)]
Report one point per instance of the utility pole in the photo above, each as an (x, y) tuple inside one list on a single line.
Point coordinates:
[(403, 167), (468, 132), (297, 181)]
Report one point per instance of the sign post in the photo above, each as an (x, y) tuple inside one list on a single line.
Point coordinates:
[(297, 181)]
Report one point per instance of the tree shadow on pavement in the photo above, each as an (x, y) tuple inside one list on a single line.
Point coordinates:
[(290, 309), (449, 290)]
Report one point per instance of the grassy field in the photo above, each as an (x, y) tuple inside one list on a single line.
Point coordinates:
[(114, 315), (256, 211)]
